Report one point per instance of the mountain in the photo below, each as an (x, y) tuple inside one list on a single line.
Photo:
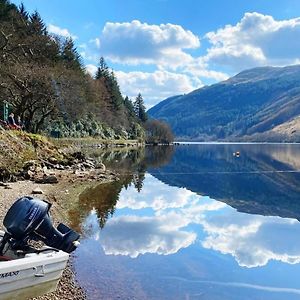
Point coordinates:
[(260, 104)]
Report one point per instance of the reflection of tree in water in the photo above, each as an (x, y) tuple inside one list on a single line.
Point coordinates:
[(129, 160), (132, 164), (158, 156), (102, 197), (154, 157), (138, 181)]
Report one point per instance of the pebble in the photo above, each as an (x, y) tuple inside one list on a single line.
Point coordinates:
[(37, 191)]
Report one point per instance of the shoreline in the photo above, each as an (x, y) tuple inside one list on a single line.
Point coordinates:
[(59, 195)]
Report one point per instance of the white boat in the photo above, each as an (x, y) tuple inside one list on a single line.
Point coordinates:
[(25, 271), (32, 275)]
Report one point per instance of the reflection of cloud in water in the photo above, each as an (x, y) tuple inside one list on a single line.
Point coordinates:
[(132, 235), (251, 239), (254, 240), (90, 227), (174, 208), (155, 195)]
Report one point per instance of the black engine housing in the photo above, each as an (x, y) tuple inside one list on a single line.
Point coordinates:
[(29, 218)]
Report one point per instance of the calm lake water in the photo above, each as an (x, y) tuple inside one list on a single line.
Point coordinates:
[(193, 222)]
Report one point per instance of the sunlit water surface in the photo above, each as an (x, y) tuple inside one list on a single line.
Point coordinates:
[(194, 222)]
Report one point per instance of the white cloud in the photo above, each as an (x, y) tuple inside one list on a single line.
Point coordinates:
[(199, 67), (163, 232), (155, 195), (157, 85), (91, 69), (254, 240), (96, 42), (137, 43), (133, 235), (256, 40), (60, 31)]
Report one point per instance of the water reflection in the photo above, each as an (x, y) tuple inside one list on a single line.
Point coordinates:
[(263, 180), (253, 240), (162, 238), (132, 164)]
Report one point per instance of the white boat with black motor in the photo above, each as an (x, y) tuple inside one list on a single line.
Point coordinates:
[(24, 270)]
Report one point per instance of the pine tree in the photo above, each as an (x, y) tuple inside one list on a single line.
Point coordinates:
[(108, 77), (102, 71), (37, 25), (129, 105), (139, 108), (70, 55), (24, 14), (6, 9), (114, 89)]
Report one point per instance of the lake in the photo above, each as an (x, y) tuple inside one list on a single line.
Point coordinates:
[(193, 222)]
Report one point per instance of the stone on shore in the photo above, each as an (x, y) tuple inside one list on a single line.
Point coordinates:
[(37, 191)]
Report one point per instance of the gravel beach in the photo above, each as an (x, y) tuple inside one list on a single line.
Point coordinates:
[(67, 288)]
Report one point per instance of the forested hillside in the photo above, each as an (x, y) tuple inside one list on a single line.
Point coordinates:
[(261, 104), (43, 80)]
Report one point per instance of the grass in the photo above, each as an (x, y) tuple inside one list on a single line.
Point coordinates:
[(17, 147)]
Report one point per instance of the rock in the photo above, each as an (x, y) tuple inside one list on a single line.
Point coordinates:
[(53, 160), (37, 191), (88, 164), (38, 169), (13, 178), (47, 179), (29, 164), (100, 166), (59, 167), (45, 170), (3, 184), (29, 174), (50, 179), (80, 175), (78, 155)]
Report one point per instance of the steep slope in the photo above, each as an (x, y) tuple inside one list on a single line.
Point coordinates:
[(246, 106)]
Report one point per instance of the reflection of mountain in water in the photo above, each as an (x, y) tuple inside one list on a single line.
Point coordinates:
[(253, 183)]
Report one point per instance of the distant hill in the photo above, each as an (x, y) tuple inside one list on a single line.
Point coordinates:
[(261, 104)]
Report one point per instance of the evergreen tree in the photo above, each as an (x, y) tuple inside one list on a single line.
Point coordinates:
[(111, 83), (102, 71), (24, 14), (42, 75), (6, 8), (129, 105), (37, 25), (139, 108), (114, 89), (70, 55)]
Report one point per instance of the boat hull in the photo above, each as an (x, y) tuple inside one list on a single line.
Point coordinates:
[(31, 276)]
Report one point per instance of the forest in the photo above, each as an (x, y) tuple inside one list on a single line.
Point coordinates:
[(44, 82)]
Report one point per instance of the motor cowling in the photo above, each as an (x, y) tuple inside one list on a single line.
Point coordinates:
[(29, 218)]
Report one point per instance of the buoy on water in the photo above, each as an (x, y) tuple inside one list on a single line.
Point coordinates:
[(236, 154)]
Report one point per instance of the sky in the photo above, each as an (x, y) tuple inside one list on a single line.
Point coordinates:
[(162, 48)]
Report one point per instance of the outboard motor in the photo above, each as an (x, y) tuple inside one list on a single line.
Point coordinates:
[(29, 218)]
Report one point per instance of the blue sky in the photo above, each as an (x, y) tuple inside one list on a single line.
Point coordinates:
[(167, 47)]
